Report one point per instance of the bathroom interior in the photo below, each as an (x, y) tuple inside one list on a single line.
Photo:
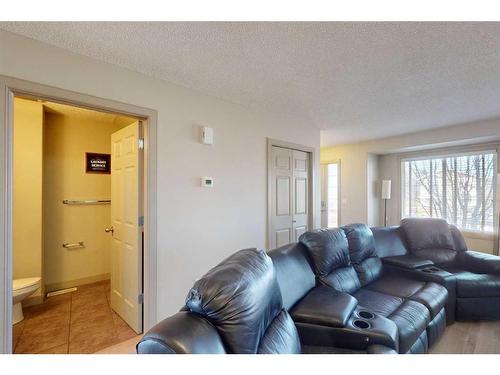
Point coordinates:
[(61, 251)]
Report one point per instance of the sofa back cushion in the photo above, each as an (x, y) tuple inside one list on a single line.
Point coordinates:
[(294, 273), (389, 241), (430, 238), (241, 298), (458, 239), (281, 336), (363, 253), (329, 253)]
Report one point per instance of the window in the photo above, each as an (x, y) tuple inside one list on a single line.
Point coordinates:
[(330, 195), (458, 188)]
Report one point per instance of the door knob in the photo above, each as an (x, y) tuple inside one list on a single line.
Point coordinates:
[(110, 229)]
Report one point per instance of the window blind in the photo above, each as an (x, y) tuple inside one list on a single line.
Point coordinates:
[(458, 188)]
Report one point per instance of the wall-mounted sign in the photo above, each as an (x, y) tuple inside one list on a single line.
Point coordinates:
[(98, 163)]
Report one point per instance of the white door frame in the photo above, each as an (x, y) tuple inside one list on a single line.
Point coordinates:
[(312, 182), (13, 86)]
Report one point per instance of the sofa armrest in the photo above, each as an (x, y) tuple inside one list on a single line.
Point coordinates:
[(324, 306), (410, 262), (182, 333), (479, 262)]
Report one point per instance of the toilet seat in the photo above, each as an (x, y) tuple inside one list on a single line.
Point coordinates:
[(18, 285)]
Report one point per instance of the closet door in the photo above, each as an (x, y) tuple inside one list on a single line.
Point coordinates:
[(281, 227), (289, 195), (300, 193)]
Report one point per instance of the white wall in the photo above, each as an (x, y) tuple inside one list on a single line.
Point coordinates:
[(197, 227)]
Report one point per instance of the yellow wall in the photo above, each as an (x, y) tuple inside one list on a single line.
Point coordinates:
[(68, 136), (27, 202)]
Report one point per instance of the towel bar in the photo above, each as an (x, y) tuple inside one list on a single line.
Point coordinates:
[(86, 202), (74, 245)]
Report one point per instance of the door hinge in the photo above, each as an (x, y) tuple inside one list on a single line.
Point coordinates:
[(141, 143), (140, 299), (141, 221)]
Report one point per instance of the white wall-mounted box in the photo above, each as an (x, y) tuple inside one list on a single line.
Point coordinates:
[(207, 135)]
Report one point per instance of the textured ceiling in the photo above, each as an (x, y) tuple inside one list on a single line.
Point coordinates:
[(356, 81)]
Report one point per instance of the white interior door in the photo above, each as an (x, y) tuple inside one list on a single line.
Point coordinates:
[(126, 251), (300, 193), (289, 184), (281, 197)]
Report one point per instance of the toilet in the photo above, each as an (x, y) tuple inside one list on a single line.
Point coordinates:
[(21, 289)]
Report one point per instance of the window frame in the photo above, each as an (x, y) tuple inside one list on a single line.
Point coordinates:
[(440, 154)]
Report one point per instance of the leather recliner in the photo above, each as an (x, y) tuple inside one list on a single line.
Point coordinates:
[(345, 260), (325, 317), (235, 308), (476, 275)]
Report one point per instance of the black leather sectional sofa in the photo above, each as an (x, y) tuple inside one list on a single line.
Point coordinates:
[(342, 290)]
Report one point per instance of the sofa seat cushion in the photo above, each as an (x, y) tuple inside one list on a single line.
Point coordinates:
[(324, 306), (475, 285), (377, 302), (411, 317), (429, 294)]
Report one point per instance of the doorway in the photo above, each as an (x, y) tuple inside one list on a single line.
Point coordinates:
[(290, 192), (77, 274), (144, 296)]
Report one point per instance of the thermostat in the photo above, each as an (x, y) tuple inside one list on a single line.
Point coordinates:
[(207, 182)]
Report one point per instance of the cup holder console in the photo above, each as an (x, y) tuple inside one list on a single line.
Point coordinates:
[(431, 270), (362, 324), (366, 314)]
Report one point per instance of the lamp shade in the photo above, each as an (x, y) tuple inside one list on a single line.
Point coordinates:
[(386, 189)]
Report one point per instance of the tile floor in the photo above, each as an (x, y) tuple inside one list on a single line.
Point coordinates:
[(77, 322)]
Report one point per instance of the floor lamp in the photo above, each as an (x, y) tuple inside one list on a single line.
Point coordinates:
[(386, 195)]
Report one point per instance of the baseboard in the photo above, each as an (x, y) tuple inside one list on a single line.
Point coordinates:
[(33, 300), (75, 283)]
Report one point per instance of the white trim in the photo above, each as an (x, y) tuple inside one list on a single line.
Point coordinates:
[(9, 86)]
